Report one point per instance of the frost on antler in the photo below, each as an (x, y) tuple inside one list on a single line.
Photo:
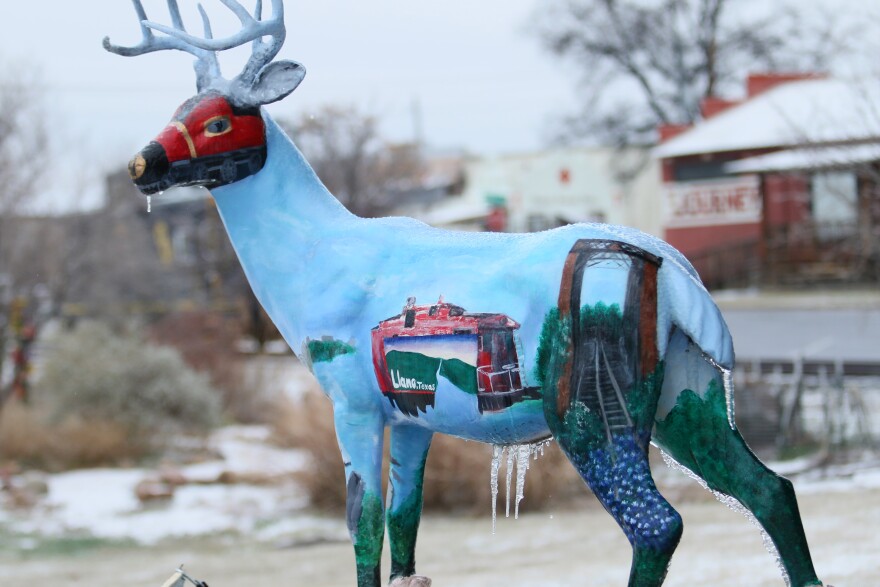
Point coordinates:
[(259, 82)]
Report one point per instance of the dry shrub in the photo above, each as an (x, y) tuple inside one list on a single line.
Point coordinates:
[(457, 478), (456, 475), (98, 376), (104, 399), (23, 437), (80, 443), (28, 437)]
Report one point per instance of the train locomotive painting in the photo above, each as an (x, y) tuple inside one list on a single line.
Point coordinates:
[(477, 353)]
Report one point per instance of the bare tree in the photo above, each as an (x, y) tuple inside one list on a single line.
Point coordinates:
[(651, 62), (22, 162), (347, 152)]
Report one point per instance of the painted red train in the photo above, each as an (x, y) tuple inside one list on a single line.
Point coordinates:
[(477, 353)]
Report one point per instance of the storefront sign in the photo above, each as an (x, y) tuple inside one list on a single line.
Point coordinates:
[(734, 200)]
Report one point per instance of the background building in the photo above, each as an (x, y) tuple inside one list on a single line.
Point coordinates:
[(540, 190), (781, 187)]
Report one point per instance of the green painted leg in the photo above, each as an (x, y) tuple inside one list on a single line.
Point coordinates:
[(361, 444), (367, 533), (409, 451), (697, 434)]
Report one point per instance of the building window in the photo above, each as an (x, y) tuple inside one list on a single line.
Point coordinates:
[(834, 203), (701, 170)]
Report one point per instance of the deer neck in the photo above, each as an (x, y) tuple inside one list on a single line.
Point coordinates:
[(275, 219), (286, 185)]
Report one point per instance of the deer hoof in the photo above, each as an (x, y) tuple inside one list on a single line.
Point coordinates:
[(413, 581)]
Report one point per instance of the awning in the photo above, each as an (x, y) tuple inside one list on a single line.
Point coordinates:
[(808, 158), (455, 212)]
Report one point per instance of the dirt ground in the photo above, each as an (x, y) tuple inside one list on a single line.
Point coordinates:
[(571, 547)]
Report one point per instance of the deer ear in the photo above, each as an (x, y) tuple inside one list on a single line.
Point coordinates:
[(276, 81)]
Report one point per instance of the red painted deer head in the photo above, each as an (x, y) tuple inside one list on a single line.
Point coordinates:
[(216, 137)]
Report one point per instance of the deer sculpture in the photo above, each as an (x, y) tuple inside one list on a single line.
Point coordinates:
[(600, 337)]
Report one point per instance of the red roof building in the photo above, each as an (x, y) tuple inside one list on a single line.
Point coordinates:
[(779, 187)]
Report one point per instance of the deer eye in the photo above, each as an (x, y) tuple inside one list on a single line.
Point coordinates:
[(217, 126)]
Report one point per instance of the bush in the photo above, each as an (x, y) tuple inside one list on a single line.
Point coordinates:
[(30, 439), (92, 380), (207, 342), (456, 475)]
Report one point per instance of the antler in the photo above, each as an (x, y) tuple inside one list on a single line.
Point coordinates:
[(207, 67), (254, 29)]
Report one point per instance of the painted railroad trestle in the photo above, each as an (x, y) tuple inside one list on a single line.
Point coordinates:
[(604, 358)]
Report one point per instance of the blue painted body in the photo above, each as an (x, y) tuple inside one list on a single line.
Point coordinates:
[(518, 350), (322, 272)]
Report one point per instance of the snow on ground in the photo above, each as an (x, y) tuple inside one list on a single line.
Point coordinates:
[(572, 545), (839, 479), (246, 451), (264, 530), (102, 503)]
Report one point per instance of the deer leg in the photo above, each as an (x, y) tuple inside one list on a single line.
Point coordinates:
[(619, 475), (610, 451), (409, 451), (360, 441), (602, 378), (693, 427)]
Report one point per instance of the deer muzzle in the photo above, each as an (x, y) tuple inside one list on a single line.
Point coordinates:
[(149, 169)]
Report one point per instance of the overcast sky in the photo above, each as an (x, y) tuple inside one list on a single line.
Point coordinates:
[(478, 76), (474, 67)]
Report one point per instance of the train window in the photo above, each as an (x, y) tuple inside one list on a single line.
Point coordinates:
[(432, 311), (410, 319), (456, 311)]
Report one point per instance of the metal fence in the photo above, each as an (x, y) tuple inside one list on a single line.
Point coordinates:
[(785, 404)]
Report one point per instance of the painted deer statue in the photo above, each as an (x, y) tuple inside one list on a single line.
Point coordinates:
[(598, 336)]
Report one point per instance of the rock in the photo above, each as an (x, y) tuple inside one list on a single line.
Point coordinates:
[(34, 482), (25, 490), (153, 489), (172, 476), (249, 478)]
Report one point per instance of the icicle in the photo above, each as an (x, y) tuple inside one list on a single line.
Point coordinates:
[(510, 455), (736, 506), (518, 455), (523, 452), (149, 204), (497, 453), (727, 378)]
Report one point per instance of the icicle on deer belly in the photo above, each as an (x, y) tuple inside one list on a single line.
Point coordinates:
[(601, 337)]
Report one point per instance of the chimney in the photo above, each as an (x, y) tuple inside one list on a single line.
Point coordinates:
[(761, 82), (669, 131), (711, 106)]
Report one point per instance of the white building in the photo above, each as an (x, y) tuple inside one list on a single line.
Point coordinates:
[(550, 188)]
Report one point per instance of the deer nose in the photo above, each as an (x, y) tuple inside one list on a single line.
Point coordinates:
[(150, 166), (137, 166)]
